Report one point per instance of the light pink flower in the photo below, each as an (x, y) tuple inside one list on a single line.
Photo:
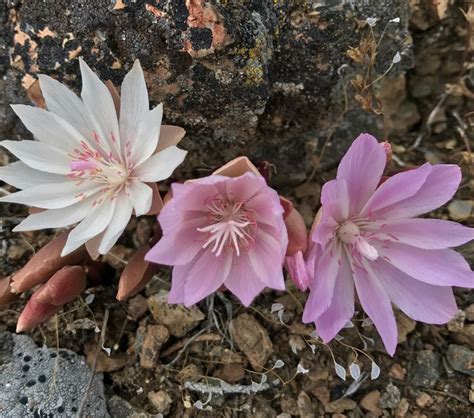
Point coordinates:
[(96, 161), (297, 245), (222, 231), (369, 237)]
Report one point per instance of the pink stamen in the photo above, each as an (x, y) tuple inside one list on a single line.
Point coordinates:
[(82, 165)]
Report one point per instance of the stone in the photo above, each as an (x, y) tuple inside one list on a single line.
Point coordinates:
[(470, 312), (252, 339), (405, 325), (390, 397), (457, 323), (230, 372), (161, 401), (322, 394), (402, 408), (119, 407), (426, 369), (465, 336), (424, 400), (340, 405), (136, 307), (288, 404), (397, 372), (460, 210), (44, 381), (369, 402), (461, 359), (305, 408), (155, 337), (237, 75), (177, 318)]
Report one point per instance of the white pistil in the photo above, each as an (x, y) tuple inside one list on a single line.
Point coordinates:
[(349, 233), (230, 227)]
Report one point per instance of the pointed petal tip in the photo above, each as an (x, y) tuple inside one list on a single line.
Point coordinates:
[(21, 326)]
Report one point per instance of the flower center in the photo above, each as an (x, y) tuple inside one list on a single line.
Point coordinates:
[(350, 234), (231, 226), (88, 164)]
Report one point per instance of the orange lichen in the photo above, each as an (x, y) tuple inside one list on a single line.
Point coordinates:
[(155, 11), (119, 5), (205, 16), (47, 32)]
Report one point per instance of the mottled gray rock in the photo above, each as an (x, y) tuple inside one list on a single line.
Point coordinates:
[(45, 382), (461, 359), (426, 369), (120, 408), (255, 77), (390, 397)]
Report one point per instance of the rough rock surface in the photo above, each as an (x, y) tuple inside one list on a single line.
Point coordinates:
[(45, 382), (256, 77)]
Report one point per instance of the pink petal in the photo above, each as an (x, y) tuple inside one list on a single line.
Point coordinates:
[(397, 188), (296, 267), (236, 168), (430, 234), (335, 199), (178, 281), (242, 281), (362, 168), (247, 186), (420, 301), (169, 135), (438, 188), (180, 246), (206, 276), (325, 230), (312, 257), (341, 309), (297, 233), (65, 285), (377, 305), (436, 267), (266, 259), (322, 287)]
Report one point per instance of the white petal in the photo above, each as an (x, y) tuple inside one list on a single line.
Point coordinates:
[(169, 135), (100, 108), (21, 176), (41, 156), (49, 128), (56, 218), (64, 103), (52, 196), (160, 166), (92, 246), (134, 104), (122, 214), (90, 226), (141, 197), (147, 136)]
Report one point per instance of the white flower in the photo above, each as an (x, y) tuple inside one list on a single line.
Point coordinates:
[(371, 21), (95, 161)]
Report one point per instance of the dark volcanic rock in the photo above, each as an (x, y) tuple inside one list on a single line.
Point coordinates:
[(243, 77)]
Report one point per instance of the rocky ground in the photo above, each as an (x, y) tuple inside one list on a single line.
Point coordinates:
[(271, 80)]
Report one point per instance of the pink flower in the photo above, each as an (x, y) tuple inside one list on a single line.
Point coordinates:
[(369, 236), (297, 245), (222, 231)]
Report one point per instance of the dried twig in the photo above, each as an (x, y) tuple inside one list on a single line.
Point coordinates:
[(185, 346), (225, 388), (429, 122), (199, 339), (94, 364)]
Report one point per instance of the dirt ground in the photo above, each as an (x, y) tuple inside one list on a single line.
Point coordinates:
[(171, 360)]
